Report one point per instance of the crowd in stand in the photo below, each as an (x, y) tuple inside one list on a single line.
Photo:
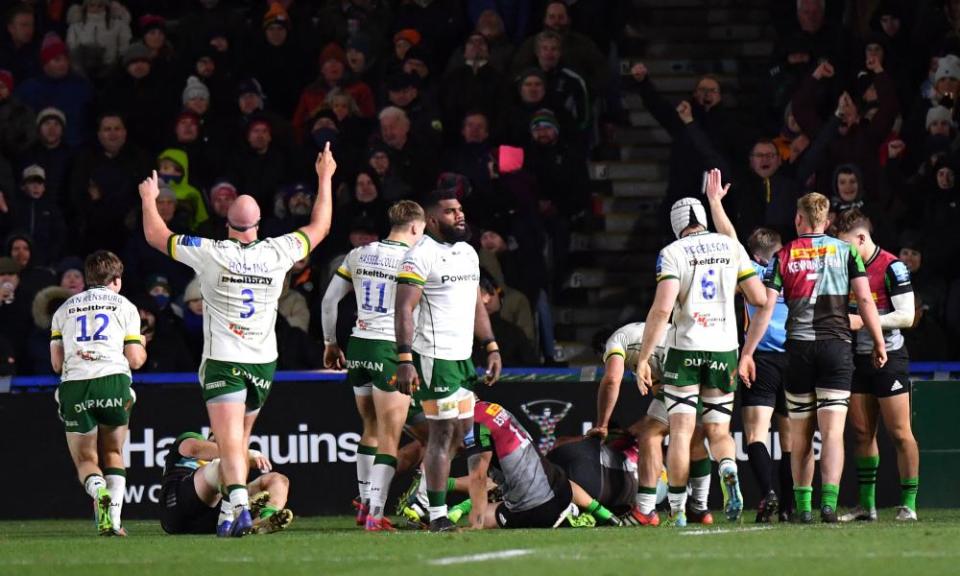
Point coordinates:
[(498, 100), (501, 100)]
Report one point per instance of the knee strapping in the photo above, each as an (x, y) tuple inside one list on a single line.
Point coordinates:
[(681, 399), (801, 406), (718, 409)]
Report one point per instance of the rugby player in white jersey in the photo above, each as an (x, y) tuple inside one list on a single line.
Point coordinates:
[(370, 271), (441, 274), (94, 343), (697, 279), (241, 279)]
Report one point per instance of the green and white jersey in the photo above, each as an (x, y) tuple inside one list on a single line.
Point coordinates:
[(449, 275), (240, 285), (372, 269), (708, 266), (93, 327), (627, 342)]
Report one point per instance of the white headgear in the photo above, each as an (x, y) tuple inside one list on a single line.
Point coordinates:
[(687, 212)]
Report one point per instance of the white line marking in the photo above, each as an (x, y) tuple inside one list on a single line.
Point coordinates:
[(479, 557), (706, 531)]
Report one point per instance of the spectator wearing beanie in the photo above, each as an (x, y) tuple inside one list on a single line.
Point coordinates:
[(37, 214), (278, 62), (140, 95), (17, 130), (944, 91), (530, 96), (196, 99), (163, 56), (51, 153), (173, 167), (250, 104), (70, 272), (333, 74), (61, 88), (259, 168), (362, 60), (222, 196), (98, 35)]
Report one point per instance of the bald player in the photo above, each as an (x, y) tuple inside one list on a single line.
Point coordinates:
[(241, 279)]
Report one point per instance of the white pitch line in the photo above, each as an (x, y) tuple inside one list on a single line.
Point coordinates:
[(722, 531), (500, 555)]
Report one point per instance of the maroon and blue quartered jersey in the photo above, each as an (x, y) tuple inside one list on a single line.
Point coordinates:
[(814, 273), (526, 481), (888, 277)]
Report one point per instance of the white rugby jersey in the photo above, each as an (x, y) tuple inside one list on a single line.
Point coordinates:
[(93, 327), (709, 266), (240, 285), (449, 275), (627, 342), (372, 269)]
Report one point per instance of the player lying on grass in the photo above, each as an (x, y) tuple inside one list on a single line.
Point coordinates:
[(606, 470), (191, 490), (622, 349)]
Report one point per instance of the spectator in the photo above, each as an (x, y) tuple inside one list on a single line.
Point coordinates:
[(166, 348), (515, 348), (141, 261), (363, 203), (766, 197), (362, 60), (20, 46), (17, 130), (927, 284), (353, 130), (343, 21), (173, 167), (14, 309), (203, 156), (304, 278), (471, 84), (207, 21), (560, 169), (943, 93), (60, 88), (212, 69), (531, 96), (442, 22), (37, 214), (473, 156), (403, 41), (51, 153), (564, 86), (32, 276), (499, 47), (403, 91), (222, 196), (277, 62), (293, 306), (140, 95), (941, 201), (70, 271), (251, 104), (926, 340), (163, 56), (196, 99), (98, 35), (333, 66), (410, 159), (500, 262), (260, 169), (296, 207), (44, 306), (193, 319), (392, 186), (848, 195)]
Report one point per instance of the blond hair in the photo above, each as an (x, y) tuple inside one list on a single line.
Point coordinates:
[(404, 212), (814, 208)]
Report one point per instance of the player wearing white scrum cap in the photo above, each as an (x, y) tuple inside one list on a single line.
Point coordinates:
[(686, 213)]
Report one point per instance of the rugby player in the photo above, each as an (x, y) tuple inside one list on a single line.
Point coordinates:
[(441, 274), (816, 274), (370, 271), (536, 492), (762, 399), (882, 392), (190, 490), (697, 279), (241, 279), (94, 343), (604, 469), (622, 349)]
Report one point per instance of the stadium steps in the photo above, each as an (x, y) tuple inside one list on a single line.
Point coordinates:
[(612, 279)]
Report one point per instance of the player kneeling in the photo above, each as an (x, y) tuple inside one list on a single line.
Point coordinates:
[(190, 492)]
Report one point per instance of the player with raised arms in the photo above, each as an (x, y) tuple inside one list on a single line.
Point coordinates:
[(697, 279), (94, 343), (441, 275), (241, 279), (370, 271)]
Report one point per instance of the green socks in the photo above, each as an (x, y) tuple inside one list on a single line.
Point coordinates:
[(460, 510), (597, 510), (451, 485), (908, 492), (830, 493), (267, 511), (804, 498), (867, 480)]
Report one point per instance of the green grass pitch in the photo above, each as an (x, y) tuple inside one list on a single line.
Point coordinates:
[(320, 546)]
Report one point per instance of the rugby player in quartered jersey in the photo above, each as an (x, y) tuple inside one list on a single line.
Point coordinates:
[(882, 392), (697, 279), (816, 274), (94, 343), (241, 279), (441, 274), (370, 271)]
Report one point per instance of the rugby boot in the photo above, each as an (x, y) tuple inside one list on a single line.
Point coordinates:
[(860, 514), (767, 509), (637, 518), (828, 515), (695, 516), (732, 498), (242, 523), (276, 522), (805, 517), (443, 524), (224, 529), (905, 514), (102, 510), (413, 517), (375, 524), (362, 511), (258, 502)]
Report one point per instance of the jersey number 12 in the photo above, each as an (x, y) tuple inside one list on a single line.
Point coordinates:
[(103, 320)]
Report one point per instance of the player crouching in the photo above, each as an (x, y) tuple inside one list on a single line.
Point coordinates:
[(190, 492)]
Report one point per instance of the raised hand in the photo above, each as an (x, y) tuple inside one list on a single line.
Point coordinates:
[(685, 112), (715, 188), (326, 165), (824, 70), (150, 188)]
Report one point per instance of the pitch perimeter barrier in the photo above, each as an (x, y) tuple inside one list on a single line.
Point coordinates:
[(309, 429)]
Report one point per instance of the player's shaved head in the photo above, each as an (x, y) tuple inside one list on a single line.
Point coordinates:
[(244, 213)]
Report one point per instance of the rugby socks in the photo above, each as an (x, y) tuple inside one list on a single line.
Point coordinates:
[(677, 495), (786, 481), (597, 510), (700, 483), (92, 485), (762, 465), (451, 484), (460, 510), (829, 494), (239, 497), (646, 499), (365, 458), (421, 495), (268, 511), (226, 511), (438, 504), (116, 479), (908, 492), (867, 480), (804, 498), (384, 467)]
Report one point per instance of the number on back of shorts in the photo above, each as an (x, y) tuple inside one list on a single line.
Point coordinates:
[(101, 321), (247, 301), (381, 289)]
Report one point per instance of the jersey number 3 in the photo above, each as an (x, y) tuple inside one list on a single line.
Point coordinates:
[(247, 302)]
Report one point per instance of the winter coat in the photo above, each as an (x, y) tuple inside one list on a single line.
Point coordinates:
[(18, 127), (98, 41), (188, 197)]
